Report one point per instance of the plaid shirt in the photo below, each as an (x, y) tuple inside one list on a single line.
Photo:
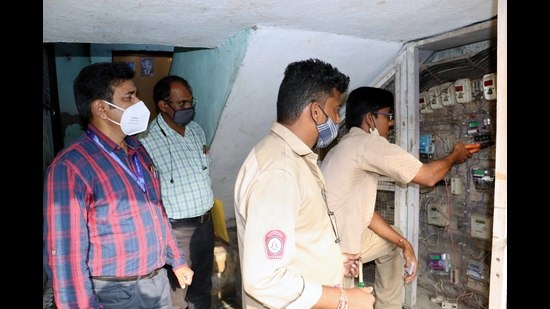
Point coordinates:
[(183, 164), (99, 222)]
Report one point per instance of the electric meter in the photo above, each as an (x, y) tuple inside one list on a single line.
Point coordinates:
[(423, 102), (483, 178), (448, 95), (435, 97), (463, 90), (489, 86)]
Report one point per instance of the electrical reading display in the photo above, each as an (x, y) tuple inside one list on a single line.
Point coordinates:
[(489, 86), (463, 90)]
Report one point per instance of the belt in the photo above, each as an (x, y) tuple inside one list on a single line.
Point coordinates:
[(200, 219), (130, 278)]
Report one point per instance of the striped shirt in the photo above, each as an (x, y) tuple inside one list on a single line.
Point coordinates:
[(185, 160), (98, 221)]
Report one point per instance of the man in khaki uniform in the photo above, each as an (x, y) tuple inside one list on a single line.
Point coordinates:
[(288, 243), (352, 169)]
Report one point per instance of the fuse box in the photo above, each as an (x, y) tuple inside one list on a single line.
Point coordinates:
[(426, 145)]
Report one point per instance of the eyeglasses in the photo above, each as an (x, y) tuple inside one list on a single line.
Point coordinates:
[(182, 104), (389, 115)]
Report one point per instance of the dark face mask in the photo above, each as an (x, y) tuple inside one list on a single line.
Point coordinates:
[(183, 116)]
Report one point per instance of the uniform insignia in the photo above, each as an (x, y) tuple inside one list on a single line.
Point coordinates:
[(275, 244)]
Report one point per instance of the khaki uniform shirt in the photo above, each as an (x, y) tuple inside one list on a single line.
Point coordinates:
[(287, 245), (352, 169)]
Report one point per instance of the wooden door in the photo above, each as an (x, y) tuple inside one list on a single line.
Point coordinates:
[(150, 67)]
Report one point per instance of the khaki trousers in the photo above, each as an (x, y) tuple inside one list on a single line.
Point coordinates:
[(388, 281)]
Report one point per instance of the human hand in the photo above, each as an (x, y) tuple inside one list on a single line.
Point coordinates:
[(184, 275), (351, 264), (360, 297), (462, 152), (408, 254)]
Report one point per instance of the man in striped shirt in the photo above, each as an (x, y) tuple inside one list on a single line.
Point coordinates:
[(106, 234), (177, 145)]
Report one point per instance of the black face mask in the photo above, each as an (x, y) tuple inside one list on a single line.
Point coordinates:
[(183, 116)]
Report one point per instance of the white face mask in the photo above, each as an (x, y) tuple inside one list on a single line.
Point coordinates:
[(134, 119), (375, 130)]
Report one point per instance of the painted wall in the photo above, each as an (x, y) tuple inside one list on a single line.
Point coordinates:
[(211, 73), (251, 106)]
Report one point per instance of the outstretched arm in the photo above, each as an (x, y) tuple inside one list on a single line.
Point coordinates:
[(430, 173)]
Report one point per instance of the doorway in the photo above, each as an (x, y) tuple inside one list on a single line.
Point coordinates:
[(150, 67)]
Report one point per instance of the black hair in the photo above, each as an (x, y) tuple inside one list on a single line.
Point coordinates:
[(161, 90), (305, 82), (98, 81), (364, 100)]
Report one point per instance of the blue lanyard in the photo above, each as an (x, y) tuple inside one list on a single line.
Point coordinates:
[(139, 179)]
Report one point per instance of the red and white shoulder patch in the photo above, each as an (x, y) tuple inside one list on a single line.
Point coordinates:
[(275, 244)]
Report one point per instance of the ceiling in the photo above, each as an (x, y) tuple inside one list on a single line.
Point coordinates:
[(208, 23)]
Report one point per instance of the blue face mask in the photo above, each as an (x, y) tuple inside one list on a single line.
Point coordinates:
[(183, 116), (327, 132)]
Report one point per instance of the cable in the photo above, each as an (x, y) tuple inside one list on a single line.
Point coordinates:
[(169, 151)]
